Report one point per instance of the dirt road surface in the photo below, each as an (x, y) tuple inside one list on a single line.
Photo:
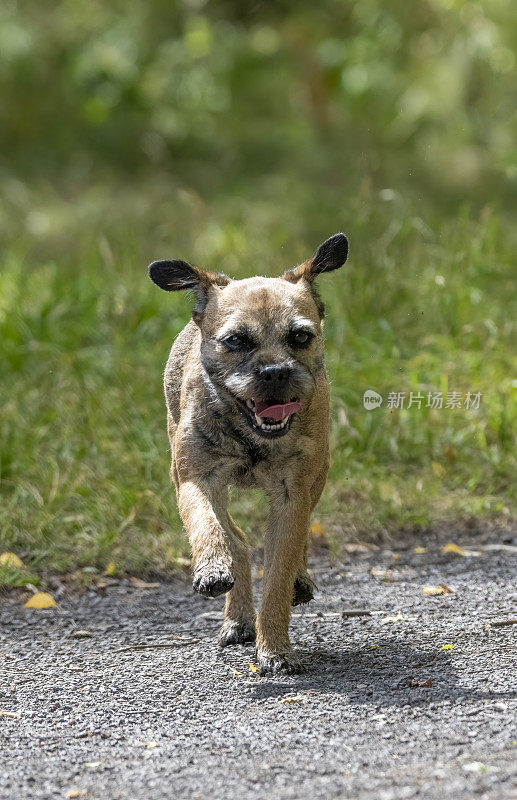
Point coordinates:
[(122, 692)]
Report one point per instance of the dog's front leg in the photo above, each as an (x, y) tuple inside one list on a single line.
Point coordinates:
[(202, 508), (286, 537)]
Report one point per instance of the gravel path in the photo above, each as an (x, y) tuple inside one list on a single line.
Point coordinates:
[(383, 711)]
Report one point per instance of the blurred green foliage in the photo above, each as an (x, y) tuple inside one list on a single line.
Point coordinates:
[(239, 136), (221, 95)]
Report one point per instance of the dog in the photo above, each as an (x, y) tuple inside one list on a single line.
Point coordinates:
[(247, 398)]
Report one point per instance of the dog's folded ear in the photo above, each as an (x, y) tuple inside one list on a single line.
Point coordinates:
[(329, 256), (175, 275)]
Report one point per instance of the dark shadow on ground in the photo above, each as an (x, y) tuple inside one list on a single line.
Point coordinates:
[(388, 675)]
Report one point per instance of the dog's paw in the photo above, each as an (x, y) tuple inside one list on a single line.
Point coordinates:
[(212, 581), (303, 591), (236, 632), (279, 663)]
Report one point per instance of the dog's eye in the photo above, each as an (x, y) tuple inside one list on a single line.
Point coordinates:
[(237, 341), (300, 338)]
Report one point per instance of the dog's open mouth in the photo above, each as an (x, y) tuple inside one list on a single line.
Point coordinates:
[(272, 417)]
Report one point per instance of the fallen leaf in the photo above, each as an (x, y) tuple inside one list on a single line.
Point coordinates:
[(40, 600), (441, 589), (236, 672), (92, 763), (8, 714), (76, 793), (420, 550), (296, 699), (447, 647), (253, 668), (420, 684), (317, 528), (11, 560), (453, 548), (110, 569)]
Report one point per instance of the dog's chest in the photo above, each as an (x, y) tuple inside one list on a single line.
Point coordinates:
[(266, 472)]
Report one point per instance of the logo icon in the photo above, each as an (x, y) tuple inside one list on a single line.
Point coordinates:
[(371, 399)]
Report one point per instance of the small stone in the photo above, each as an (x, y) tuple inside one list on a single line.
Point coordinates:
[(82, 635)]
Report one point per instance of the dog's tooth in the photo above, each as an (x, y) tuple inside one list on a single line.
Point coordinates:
[(258, 420), (249, 403)]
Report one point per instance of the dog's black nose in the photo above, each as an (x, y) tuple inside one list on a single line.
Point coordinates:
[(275, 377)]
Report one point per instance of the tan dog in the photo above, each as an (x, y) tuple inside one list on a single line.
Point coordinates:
[(248, 405)]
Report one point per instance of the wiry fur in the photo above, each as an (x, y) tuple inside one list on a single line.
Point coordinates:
[(214, 446)]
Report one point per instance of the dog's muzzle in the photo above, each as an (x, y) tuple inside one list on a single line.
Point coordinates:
[(270, 418)]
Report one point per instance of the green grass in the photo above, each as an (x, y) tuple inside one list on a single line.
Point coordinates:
[(423, 304)]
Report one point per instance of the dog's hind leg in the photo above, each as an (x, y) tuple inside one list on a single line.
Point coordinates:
[(239, 614), (303, 591), (304, 586)]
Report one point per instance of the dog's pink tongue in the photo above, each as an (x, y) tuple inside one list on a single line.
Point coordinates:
[(277, 412)]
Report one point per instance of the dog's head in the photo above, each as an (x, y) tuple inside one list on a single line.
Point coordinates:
[(261, 338)]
